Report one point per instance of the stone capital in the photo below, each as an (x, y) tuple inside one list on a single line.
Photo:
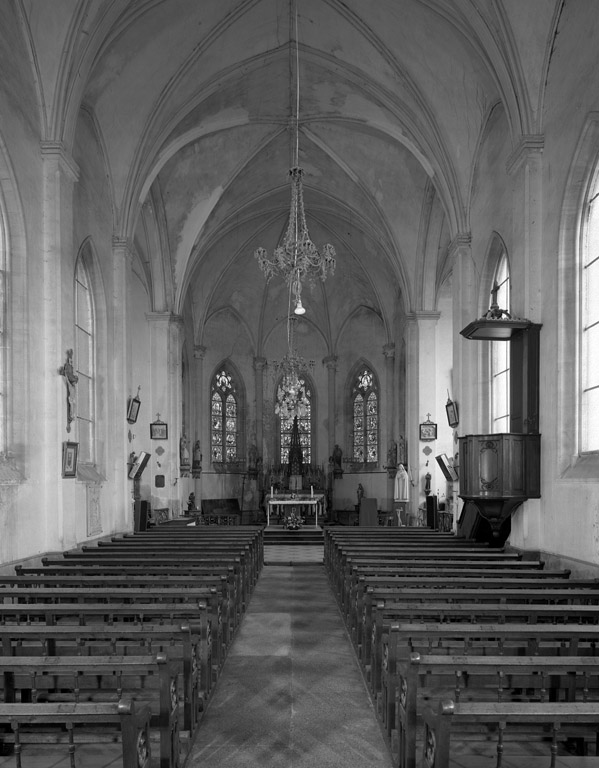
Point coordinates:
[(389, 350), (260, 363), (530, 147), (330, 361), (55, 151), (199, 351)]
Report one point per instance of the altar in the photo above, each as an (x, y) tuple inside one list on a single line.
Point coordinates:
[(293, 503)]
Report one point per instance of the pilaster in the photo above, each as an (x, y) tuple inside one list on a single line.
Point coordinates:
[(57, 334), (331, 365), (421, 351), (165, 397), (525, 167), (259, 366), (120, 345)]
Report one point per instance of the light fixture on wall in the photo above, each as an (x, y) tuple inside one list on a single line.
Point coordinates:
[(495, 325), (297, 258)]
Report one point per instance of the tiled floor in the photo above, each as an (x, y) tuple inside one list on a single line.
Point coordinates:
[(284, 554), (291, 694)]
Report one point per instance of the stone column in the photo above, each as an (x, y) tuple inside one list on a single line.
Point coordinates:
[(57, 334), (389, 416), (390, 394), (421, 350), (466, 353), (120, 344), (331, 364), (165, 397), (525, 167), (200, 416), (259, 366)]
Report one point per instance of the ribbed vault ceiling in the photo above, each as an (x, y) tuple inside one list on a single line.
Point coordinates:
[(192, 102)]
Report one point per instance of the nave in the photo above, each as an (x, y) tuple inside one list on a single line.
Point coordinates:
[(291, 693), (180, 648)]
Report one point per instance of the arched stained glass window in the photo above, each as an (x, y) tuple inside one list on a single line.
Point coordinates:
[(500, 354), (304, 424), (365, 405), (224, 418)]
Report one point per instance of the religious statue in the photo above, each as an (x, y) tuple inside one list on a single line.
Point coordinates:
[(196, 467), (253, 460), (191, 503), (392, 454), (71, 379), (360, 493), (184, 453), (337, 461)]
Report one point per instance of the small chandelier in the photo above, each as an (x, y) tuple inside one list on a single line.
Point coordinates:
[(292, 398), (297, 258)]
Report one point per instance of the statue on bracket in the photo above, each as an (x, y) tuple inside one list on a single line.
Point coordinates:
[(71, 379), (196, 467)]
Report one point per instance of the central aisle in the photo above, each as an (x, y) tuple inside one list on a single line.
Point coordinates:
[(291, 694)]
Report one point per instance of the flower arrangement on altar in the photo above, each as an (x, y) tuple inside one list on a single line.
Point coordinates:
[(293, 522)]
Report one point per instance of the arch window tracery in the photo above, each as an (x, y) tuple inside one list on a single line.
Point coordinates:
[(365, 410), (224, 418)]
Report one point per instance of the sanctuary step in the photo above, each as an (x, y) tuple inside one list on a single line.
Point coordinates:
[(305, 536)]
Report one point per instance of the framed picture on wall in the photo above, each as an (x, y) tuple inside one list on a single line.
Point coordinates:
[(133, 408), (159, 430), (453, 418), (69, 459), (428, 431)]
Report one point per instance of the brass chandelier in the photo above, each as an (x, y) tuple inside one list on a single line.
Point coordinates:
[(297, 259)]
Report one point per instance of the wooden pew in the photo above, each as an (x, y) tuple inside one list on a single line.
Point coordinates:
[(87, 719), (543, 725), (169, 561), (115, 611), (155, 565), (476, 677), (427, 565), (98, 679), (360, 618), (180, 643), (564, 616), (218, 604), (185, 547)]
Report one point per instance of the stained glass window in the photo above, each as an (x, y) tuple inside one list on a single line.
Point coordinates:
[(305, 430), (224, 418), (365, 404)]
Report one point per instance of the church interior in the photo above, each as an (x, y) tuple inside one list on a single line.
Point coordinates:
[(312, 267)]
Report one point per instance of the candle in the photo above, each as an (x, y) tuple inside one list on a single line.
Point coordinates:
[(271, 490), (312, 491)]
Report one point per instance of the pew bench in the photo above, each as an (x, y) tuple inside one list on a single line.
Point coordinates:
[(179, 642), (555, 616), (386, 614), (359, 578), (217, 602), (421, 677), (94, 723), (383, 587), (147, 680), (541, 604), (509, 734)]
